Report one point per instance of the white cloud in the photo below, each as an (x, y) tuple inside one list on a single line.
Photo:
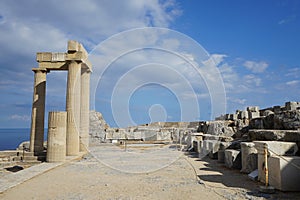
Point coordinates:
[(20, 117), (292, 83), (252, 80), (293, 72), (256, 67), (218, 58)]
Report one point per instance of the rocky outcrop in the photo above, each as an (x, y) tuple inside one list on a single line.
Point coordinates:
[(97, 128)]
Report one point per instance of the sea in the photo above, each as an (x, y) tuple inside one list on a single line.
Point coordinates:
[(10, 138)]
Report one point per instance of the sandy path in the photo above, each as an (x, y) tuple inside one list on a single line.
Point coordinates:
[(150, 173)]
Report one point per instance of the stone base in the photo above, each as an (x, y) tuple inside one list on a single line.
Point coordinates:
[(233, 159), (284, 172)]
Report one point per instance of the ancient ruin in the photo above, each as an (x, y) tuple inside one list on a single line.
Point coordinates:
[(263, 143), (76, 62), (237, 140)]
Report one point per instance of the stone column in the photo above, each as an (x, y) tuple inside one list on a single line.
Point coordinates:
[(56, 146), (38, 111), (84, 109), (73, 108)]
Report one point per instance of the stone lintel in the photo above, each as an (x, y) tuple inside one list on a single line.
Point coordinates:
[(50, 57), (53, 66)]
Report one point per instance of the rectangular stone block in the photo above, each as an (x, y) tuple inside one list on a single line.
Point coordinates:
[(243, 115), (249, 157), (284, 173), (197, 144), (164, 136), (275, 148), (233, 116), (221, 152), (253, 115), (277, 109), (227, 117), (232, 158), (253, 109), (292, 105), (213, 147)]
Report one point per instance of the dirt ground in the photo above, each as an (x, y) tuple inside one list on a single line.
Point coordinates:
[(137, 172)]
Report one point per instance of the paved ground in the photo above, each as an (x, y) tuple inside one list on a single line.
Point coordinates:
[(139, 172)]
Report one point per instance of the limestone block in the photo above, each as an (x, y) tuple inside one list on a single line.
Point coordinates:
[(249, 157), (277, 109), (253, 109), (164, 136), (221, 152), (292, 105), (256, 123), (213, 147), (268, 120), (267, 113), (243, 115), (220, 128), (197, 144), (205, 147), (233, 117), (284, 172), (261, 134), (289, 120), (232, 158), (137, 135), (253, 115), (275, 148), (227, 117), (149, 135), (109, 134)]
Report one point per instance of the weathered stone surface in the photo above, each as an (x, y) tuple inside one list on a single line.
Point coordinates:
[(253, 115), (220, 128), (256, 123), (249, 157), (97, 128), (274, 148), (289, 120), (57, 124), (268, 120), (269, 135), (292, 105), (253, 109), (221, 151), (284, 172), (233, 159), (243, 115)]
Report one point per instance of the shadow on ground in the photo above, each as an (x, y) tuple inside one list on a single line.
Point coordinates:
[(212, 172)]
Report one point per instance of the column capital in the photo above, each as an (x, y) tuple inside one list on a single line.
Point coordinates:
[(40, 70)]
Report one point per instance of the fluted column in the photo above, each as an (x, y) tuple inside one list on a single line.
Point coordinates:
[(84, 109), (56, 146), (38, 111), (73, 107)]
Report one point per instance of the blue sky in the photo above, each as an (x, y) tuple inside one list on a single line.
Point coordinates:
[(255, 46)]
